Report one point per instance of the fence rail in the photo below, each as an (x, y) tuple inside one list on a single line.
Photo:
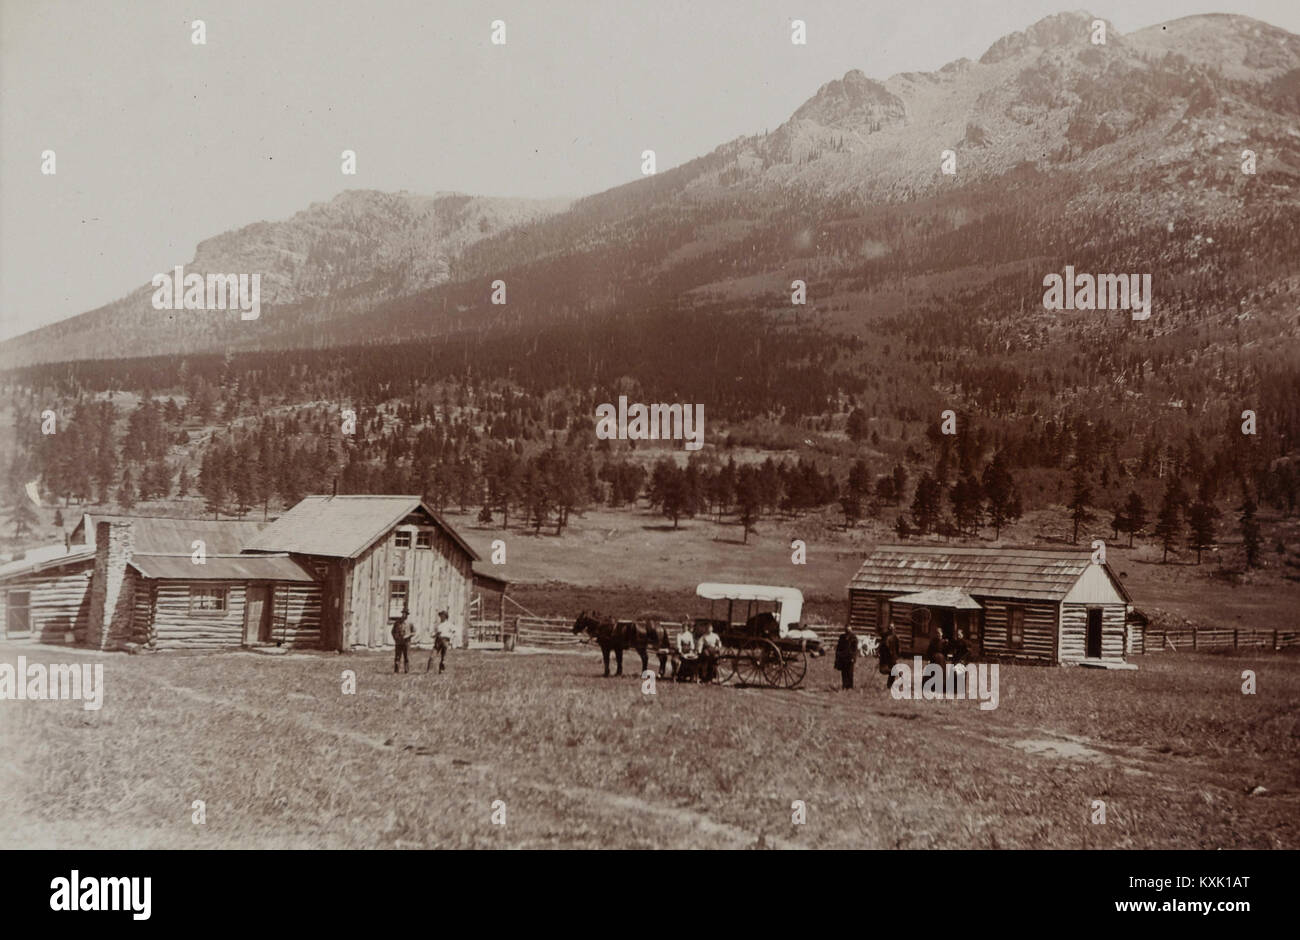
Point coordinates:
[(1185, 639), (557, 632)]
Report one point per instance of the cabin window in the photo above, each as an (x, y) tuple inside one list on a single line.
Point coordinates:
[(209, 600), (882, 613), (398, 597), (424, 539), (18, 612), (1015, 627), (402, 539)]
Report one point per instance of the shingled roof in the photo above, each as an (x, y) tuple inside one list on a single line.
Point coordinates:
[(1026, 573), (343, 526)]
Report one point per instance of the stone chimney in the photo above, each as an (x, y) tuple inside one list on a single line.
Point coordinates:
[(111, 587)]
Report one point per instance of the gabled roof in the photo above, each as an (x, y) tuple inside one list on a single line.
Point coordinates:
[(168, 536), (222, 568), (1026, 573), (343, 526)]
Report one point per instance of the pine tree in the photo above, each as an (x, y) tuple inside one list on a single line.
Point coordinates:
[(851, 506), (1169, 522), (1000, 494), (747, 500), (926, 503), (1135, 516), (1079, 511), (126, 493), (1201, 519), (21, 513), (966, 498), (1250, 535)]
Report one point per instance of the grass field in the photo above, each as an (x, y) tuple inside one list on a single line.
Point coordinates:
[(281, 758)]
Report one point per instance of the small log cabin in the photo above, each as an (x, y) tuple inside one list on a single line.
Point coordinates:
[(105, 593), (44, 595), (1012, 604), (374, 556)]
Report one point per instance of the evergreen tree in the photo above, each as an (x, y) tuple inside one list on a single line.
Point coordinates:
[(1201, 525), (22, 513), (851, 506), (1250, 535), (1135, 516), (126, 493), (1079, 511), (1169, 524), (747, 500), (965, 499), (926, 503), (858, 425), (1000, 494)]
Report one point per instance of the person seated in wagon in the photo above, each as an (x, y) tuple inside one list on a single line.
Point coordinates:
[(710, 647), (687, 656)]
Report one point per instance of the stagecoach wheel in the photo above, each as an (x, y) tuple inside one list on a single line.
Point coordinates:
[(788, 670), (749, 665), (767, 659), (727, 665)]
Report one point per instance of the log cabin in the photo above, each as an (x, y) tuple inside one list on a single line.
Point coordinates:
[(1013, 604), (375, 556), (105, 593), (44, 594)]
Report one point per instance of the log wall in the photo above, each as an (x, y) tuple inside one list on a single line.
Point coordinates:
[(1074, 631), (59, 601)]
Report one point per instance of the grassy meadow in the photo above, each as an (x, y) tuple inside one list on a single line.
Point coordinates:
[(281, 758)]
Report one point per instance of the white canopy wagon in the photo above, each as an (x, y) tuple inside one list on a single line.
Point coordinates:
[(768, 646)]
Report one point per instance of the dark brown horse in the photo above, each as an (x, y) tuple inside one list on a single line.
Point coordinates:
[(618, 635)]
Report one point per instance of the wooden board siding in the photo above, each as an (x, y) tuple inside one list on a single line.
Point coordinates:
[(1074, 629), (59, 601), (1040, 632), (295, 616), (440, 577)]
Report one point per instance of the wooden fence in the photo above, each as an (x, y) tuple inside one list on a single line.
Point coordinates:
[(556, 633), (1194, 639)]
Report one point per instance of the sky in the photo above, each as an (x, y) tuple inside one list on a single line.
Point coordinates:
[(160, 143)]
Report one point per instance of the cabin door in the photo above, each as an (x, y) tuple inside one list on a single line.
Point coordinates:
[(257, 615), (1092, 649)]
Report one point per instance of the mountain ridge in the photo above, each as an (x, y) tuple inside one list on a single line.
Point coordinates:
[(1132, 116)]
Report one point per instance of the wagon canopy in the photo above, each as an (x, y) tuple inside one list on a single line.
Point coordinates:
[(955, 598), (789, 599)]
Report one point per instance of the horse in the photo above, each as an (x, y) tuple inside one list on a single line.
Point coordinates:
[(618, 635)]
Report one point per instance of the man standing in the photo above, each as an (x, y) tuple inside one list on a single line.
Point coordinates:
[(402, 633), (441, 643), (888, 653), (846, 655)]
